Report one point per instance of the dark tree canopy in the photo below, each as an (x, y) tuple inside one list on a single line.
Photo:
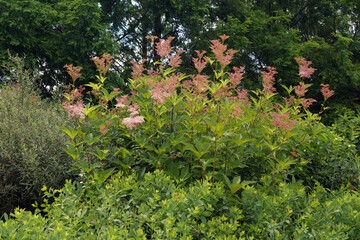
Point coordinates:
[(52, 33)]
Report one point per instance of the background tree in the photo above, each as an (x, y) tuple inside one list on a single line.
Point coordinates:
[(52, 33), (325, 32)]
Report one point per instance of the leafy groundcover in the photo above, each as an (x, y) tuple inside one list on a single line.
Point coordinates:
[(155, 208)]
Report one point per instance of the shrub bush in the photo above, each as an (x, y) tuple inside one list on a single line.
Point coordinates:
[(125, 208), (31, 142), (156, 208), (327, 157), (288, 212), (197, 136), (207, 125)]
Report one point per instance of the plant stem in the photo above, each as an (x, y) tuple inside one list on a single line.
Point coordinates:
[(214, 159)]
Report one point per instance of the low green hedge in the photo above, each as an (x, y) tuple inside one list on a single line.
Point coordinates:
[(287, 211), (125, 208), (155, 208)]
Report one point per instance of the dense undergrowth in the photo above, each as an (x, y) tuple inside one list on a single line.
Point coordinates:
[(31, 142), (199, 157), (156, 208)]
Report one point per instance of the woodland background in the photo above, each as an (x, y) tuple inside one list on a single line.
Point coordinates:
[(201, 150), (52, 33)]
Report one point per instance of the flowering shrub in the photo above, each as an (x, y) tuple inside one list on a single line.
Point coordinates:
[(201, 126), (196, 135)]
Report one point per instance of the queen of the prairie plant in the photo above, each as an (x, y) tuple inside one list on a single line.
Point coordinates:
[(214, 126), (137, 69), (133, 122), (175, 61), (103, 64), (305, 71), (268, 80), (75, 109), (301, 89), (306, 102), (283, 121), (200, 62), (326, 92), (223, 55), (163, 47), (73, 71)]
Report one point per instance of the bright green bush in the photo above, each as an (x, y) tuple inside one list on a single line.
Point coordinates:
[(156, 208), (327, 157), (348, 125), (31, 142), (125, 208), (288, 212)]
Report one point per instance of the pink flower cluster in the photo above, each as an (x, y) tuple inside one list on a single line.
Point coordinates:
[(197, 85), (163, 47), (243, 99), (137, 69), (200, 62), (268, 80), (163, 89), (103, 64), (235, 79), (74, 106), (300, 90), (294, 153), (122, 101), (104, 128), (75, 110), (305, 70), (222, 55), (175, 61), (283, 121), (289, 101), (306, 102), (74, 94), (236, 76), (133, 121), (326, 92), (74, 72)]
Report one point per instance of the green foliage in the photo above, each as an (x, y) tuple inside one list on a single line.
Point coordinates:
[(204, 128), (348, 125), (51, 34), (328, 157), (156, 208), (125, 208), (30, 142), (273, 33), (288, 212)]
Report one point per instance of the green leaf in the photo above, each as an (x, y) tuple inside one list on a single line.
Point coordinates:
[(72, 152), (94, 86), (101, 176), (90, 111), (101, 154), (123, 151), (70, 132)]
